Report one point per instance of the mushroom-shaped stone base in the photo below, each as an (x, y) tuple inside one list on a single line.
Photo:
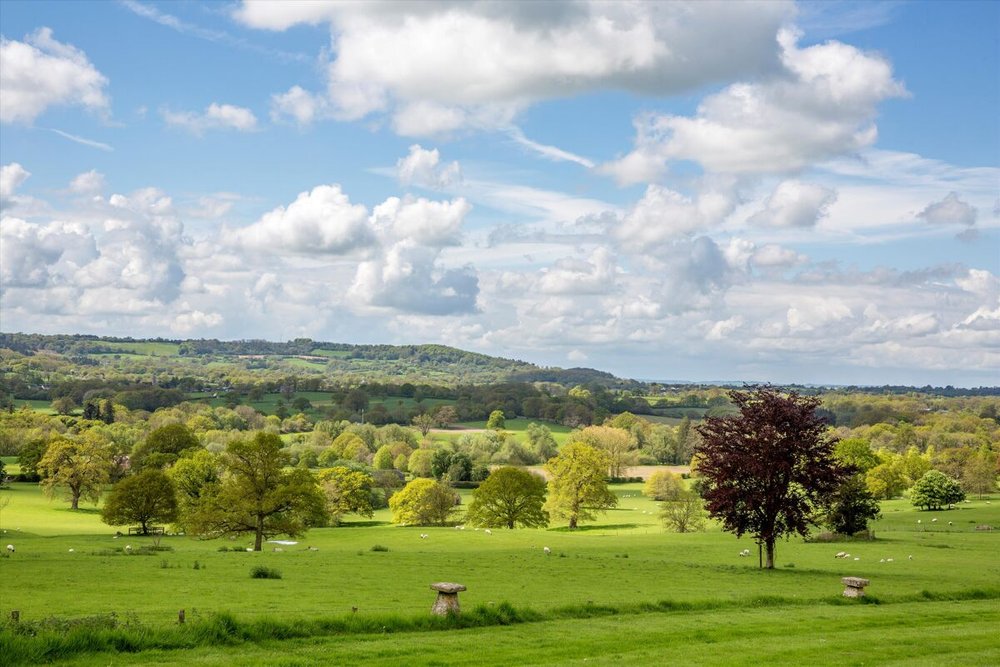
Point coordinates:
[(855, 587), (447, 598)]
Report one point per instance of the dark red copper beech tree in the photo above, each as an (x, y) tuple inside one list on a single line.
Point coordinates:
[(767, 470)]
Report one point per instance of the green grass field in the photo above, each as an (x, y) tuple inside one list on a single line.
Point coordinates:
[(517, 427), (723, 609)]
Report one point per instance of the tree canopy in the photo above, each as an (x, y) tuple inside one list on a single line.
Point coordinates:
[(578, 488), (509, 496), (257, 496), (82, 467), (423, 502), (767, 469), (936, 490), (143, 498)]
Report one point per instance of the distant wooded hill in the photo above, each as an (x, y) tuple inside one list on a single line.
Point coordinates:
[(439, 363)]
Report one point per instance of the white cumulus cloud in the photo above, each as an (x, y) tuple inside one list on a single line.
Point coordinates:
[(424, 168), (216, 116), (41, 72), (794, 204)]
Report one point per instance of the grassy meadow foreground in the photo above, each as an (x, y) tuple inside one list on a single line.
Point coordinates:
[(620, 590)]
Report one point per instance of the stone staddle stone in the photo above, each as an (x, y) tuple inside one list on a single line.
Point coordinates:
[(855, 587), (447, 598)]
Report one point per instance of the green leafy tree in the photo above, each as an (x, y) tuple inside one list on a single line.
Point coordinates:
[(496, 421), (509, 496), (664, 485), (936, 490), (540, 441), (163, 446), (143, 498), (979, 474), (852, 506), (420, 463), (684, 512), (617, 443), (257, 495), (194, 473), (578, 488), (423, 502), (383, 459), (857, 453), (887, 479), (767, 470), (347, 492), (80, 467)]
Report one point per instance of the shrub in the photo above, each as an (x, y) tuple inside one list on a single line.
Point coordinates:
[(380, 547), (262, 572)]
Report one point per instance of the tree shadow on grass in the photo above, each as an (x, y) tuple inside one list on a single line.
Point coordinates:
[(362, 524), (600, 526)]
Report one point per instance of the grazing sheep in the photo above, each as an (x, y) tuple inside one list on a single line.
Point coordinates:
[(423, 536), (10, 548), (546, 550), (847, 555), (934, 520), (278, 549), (488, 531), (888, 560), (72, 550), (856, 558), (249, 549), (128, 548), (841, 554), (881, 560), (911, 556), (745, 553), (919, 521), (313, 548), (950, 523)]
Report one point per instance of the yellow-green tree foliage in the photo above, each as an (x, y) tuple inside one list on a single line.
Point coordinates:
[(423, 502), (80, 467), (664, 485), (347, 492), (578, 488)]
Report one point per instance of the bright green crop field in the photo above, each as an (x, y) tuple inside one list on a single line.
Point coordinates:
[(621, 590)]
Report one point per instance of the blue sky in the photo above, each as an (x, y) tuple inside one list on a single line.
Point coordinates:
[(703, 191)]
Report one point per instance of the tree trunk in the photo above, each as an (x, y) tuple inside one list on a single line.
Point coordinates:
[(75, 501), (769, 544), (510, 524), (258, 541), (572, 523), (145, 528)]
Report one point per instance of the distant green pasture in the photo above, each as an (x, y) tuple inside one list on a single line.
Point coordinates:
[(146, 348)]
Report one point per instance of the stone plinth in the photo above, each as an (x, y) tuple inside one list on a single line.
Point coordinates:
[(447, 598), (855, 587)]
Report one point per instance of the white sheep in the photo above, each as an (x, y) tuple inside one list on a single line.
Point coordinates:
[(745, 553), (847, 555), (950, 523), (919, 521), (841, 554), (888, 560), (72, 550), (488, 531), (249, 549), (278, 549), (911, 556), (10, 548), (856, 558), (934, 520), (882, 560), (313, 548), (546, 550), (423, 536), (128, 548)]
